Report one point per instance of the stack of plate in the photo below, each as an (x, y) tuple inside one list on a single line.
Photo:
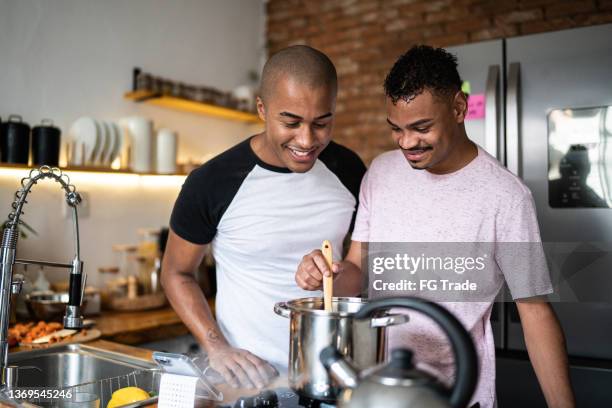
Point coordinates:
[(97, 143)]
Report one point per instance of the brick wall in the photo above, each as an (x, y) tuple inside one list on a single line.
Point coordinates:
[(364, 37)]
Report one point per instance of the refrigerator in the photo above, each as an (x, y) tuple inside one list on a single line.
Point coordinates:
[(542, 104)]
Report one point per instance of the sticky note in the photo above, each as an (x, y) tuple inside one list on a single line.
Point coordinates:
[(476, 107), (177, 391), (466, 87)]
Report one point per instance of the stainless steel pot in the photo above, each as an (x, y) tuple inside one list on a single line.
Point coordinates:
[(312, 329)]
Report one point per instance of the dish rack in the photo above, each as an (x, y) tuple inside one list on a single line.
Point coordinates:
[(97, 394)]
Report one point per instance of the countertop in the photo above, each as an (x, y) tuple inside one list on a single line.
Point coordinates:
[(139, 327)]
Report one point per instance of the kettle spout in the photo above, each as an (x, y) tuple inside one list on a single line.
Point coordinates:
[(339, 368)]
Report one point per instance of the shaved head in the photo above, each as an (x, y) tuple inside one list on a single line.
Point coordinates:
[(302, 64)]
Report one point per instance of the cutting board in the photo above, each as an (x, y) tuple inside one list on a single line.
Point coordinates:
[(81, 337)]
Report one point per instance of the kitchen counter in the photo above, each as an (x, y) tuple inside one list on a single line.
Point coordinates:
[(139, 327)]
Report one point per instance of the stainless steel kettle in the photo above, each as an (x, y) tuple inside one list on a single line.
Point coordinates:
[(398, 383)]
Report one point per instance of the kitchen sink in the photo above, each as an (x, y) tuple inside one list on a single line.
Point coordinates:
[(83, 370)]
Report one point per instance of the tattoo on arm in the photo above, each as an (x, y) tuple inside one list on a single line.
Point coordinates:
[(212, 335)]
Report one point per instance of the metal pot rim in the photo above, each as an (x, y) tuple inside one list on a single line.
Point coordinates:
[(297, 305)]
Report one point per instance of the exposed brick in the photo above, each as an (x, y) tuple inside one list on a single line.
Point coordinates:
[(346, 65), (593, 19), (361, 7), (424, 7), (365, 37), (489, 7), (491, 33), (404, 23), (297, 23), (432, 31), (520, 16), (569, 8), (527, 4), (392, 3), (370, 17), (448, 40), (389, 14), (605, 4), (468, 24), (447, 15), (343, 23), (535, 27)]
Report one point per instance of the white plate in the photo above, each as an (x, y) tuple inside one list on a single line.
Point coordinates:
[(83, 136), (125, 149), (103, 138), (117, 142), (110, 144)]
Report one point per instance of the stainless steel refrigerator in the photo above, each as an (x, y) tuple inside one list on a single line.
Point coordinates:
[(547, 116)]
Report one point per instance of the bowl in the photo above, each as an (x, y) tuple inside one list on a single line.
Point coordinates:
[(48, 305)]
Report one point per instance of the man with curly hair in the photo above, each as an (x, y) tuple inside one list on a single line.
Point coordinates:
[(438, 187)]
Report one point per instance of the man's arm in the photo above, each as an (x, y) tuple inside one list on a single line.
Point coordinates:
[(238, 367), (546, 347), (347, 273)]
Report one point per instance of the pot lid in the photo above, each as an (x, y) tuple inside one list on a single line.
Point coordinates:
[(400, 371)]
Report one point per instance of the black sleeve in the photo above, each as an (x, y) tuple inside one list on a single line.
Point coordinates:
[(346, 165), (207, 192)]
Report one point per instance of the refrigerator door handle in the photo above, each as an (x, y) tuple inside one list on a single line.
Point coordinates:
[(513, 146), (493, 144)]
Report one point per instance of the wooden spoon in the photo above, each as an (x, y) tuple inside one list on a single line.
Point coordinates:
[(328, 281)]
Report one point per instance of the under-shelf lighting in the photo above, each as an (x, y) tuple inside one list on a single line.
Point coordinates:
[(102, 178)]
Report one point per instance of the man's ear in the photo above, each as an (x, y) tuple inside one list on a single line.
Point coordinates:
[(261, 109), (460, 106)]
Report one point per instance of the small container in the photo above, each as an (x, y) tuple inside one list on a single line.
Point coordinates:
[(14, 140), (165, 152), (144, 81), (48, 305), (46, 140)]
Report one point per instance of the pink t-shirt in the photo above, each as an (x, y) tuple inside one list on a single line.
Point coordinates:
[(482, 202)]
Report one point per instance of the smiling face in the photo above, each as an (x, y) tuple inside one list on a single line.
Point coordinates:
[(429, 130), (298, 124)]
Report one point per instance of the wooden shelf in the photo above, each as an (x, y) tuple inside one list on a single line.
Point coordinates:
[(86, 169), (186, 105)]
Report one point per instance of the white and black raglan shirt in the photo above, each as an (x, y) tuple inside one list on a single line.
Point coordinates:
[(261, 221)]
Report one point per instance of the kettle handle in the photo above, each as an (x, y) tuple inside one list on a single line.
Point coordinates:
[(466, 373)]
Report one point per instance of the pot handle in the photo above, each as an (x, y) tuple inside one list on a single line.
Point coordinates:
[(466, 373), (282, 309), (15, 118), (389, 320)]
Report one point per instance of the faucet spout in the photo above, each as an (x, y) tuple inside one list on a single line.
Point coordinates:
[(8, 249)]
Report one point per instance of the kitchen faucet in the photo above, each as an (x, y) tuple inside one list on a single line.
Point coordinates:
[(10, 284)]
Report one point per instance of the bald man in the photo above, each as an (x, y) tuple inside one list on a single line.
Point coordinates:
[(263, 204)]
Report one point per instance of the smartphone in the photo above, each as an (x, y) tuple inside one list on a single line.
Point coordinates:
[(180, 364)]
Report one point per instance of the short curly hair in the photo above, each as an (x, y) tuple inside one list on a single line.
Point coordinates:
[(423, 67)]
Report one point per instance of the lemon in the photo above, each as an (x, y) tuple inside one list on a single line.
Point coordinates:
[(127, 395)]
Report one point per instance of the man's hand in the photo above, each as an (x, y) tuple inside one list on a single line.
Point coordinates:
[(240, 368), (310, 272)]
